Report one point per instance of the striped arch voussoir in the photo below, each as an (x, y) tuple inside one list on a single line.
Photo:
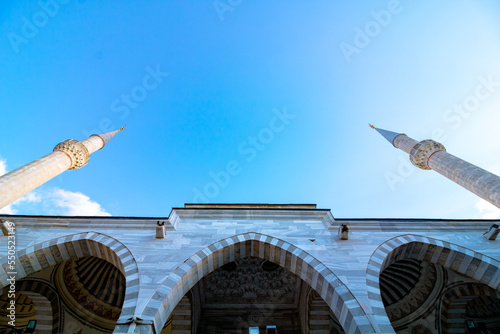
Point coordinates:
[(47, 307), (454, 304), (457, 258), (340, 300), (43, 255)]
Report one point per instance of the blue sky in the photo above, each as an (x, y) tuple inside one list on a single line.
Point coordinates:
[(250, 101)]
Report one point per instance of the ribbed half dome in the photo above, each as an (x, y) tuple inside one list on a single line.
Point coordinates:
[(102, 280), (24, 305), (93, 286), (397, 280)]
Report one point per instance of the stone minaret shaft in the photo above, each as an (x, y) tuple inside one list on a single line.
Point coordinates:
[(429, 154), (70, 154)]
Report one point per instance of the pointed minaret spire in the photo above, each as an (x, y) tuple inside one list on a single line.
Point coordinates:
[(429, 154), (389, 135), (69, 154), (107, 136), (96, 142)]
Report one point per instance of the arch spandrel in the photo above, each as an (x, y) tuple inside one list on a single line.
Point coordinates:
[(48, 253), (336, 295)]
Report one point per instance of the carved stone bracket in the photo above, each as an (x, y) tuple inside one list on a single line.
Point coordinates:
[(6, 227), (134, 320), (76, 151), (422, 151)]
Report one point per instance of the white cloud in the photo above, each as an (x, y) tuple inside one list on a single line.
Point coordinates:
[(488, 210), (75, 204), (31, 197), (3, 170), (56, 201), (3, 167), (8, 210)]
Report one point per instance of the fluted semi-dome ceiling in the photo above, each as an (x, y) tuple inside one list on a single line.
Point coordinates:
[(406, 285), (25, 307), (94, 287), (24, 304), (483, 307), (397, 280), (24, 310)]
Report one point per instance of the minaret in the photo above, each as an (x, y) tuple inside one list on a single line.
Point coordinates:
[(429, 154), (70, 154)]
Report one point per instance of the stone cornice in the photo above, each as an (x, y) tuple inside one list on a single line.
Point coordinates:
[(227, 214), (181, 215), (89, 223), (413, 225)]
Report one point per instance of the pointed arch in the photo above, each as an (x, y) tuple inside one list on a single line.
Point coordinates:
[(451, 256), (454, 301), (46, 303), (338, 297), (318, 314), (45, 254)]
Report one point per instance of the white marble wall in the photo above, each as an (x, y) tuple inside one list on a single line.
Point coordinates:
[(312, 231)]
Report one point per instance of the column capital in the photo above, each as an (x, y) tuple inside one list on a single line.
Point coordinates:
[(77, 152), (422, 151)]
